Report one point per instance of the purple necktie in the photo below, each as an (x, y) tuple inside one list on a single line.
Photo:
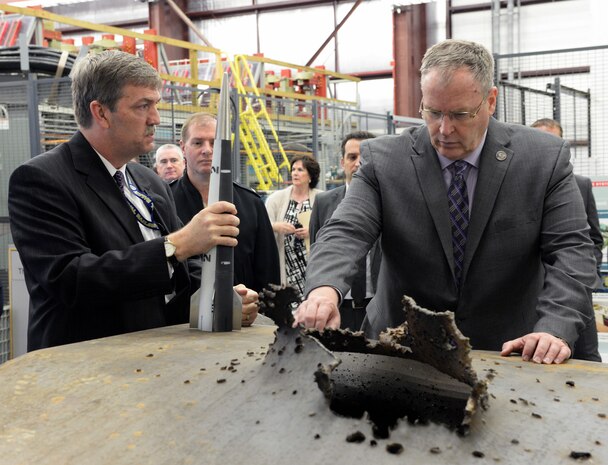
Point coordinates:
[(458, 203)]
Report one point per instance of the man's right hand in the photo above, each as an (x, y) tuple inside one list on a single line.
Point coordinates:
[(319, 310), (216, 224)]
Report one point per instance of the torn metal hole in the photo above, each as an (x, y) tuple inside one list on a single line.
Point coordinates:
[(420, 371)]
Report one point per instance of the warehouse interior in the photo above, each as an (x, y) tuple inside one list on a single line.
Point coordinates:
[(304, 73), (301, 75)]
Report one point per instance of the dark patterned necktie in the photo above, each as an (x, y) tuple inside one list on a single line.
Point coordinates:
[(120, 180), (458, 203)]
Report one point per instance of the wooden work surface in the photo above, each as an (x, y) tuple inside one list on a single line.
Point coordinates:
[(157, 397)]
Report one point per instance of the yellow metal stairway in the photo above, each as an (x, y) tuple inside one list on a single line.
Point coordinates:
[(252, 136)]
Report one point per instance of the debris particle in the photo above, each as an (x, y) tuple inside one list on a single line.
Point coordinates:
[(203, 369), (536, 415), (556, 399), (570, 383), (138, 370), (221, 380), (601, 415), (257, 422), (317, 436), (513, 401), (223, 368), (295, 391), (478, 454), (373, 443), (537, 380), (282, 370), (394, 448), (312, 414), (435, 450), (523, 401), (598, 443), (243, 381), (357, 437), (150, 355), (514, 441), (299, 348), (595, 398), (580, 455), (187, 381)]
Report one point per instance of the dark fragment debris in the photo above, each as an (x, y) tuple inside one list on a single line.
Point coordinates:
[(187, 381), (150, 355), (394, 448), (221, 380), (580, 455), (478, 454), (514, 441), (601, 415), (357, 437), (570, 383), (435, 450), (536, 415), (317, 436)]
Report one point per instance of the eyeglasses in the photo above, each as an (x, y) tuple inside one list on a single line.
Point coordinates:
[(460, 116)]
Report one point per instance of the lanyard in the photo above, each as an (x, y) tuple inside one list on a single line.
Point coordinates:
[(145, 198)]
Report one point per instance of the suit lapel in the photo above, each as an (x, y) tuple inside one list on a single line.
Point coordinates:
[(87, 162), (493, 165), (157, 200), (432, 185)]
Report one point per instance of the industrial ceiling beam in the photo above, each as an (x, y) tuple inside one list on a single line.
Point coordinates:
[(260, 8)]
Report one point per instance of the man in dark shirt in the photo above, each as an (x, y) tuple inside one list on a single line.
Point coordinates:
[(256, 259)]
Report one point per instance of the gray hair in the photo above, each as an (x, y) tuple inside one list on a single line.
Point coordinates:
[(451, 54), (103, 76), (164, 148)]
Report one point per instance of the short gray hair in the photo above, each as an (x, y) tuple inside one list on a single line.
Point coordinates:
[(451, 54), (102, 77), (164, 148)]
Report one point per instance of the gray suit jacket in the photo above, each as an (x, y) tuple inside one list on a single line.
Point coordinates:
[(528, 263), (325, 205)]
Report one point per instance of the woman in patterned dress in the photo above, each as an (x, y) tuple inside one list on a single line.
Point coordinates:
[(283, 207)]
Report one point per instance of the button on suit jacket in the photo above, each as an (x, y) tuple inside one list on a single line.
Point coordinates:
[(88, 270), (528, 263)]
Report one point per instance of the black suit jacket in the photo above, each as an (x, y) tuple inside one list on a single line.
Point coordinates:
[(88, 270), (256, 258), (586, 188)]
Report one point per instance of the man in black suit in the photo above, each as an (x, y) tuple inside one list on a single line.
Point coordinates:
[(256, 258), (352, 307), (99, 238), (584, 185)]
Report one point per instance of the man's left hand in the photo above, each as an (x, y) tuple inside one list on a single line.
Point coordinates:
[(538, 347), (249, 299)]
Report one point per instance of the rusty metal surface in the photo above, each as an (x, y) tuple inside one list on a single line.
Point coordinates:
[(175, 396)]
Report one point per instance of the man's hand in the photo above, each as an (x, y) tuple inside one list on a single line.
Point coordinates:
[(249, 300), (319, 310), (540, 347), (216, 224)]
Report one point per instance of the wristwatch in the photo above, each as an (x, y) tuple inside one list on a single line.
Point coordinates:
[(170, 251)]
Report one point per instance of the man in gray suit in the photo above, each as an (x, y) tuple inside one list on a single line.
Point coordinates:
[(584, 185), (352, 308), (477, 217)]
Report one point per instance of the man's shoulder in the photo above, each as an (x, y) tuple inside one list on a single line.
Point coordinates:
[(246, 193)]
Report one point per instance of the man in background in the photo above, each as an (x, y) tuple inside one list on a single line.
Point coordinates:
[(584, 185), (256, 259), (352, 308), (169, 162)]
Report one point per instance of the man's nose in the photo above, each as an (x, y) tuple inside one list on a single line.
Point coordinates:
[(154, 116), (446, 126)]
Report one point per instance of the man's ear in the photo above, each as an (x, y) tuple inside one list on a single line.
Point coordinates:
[(99, 113)]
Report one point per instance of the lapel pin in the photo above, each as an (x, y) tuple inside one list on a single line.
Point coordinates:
[(501, 156)]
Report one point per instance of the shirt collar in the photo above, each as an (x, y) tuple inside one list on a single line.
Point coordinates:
[(472, 158), (110, 167)]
